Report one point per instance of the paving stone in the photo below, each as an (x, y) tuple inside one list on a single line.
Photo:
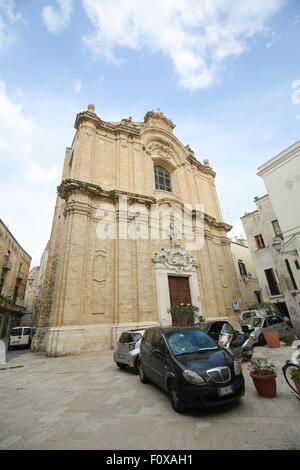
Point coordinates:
[(85, 402)]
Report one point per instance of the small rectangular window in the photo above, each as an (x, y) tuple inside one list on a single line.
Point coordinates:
[(242, 267), (272, 281), (276, 228), (259, 241), (291, 274)]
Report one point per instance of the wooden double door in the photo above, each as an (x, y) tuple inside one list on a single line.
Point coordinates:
[(179, 290)]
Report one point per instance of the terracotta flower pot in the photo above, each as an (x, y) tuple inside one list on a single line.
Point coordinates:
[(272, 339), (265, 384)]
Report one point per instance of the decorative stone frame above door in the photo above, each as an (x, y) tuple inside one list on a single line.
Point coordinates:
[(174, 261)]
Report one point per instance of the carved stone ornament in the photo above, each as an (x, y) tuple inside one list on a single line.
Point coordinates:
[(175, 257)]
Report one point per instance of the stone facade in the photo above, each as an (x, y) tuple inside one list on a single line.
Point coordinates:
[(15, 263), (99, 281), (246, 273)]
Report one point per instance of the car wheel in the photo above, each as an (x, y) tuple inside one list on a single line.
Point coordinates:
[(143, 378), (121, 365), (174, 397), (136, 365), (261, 340)]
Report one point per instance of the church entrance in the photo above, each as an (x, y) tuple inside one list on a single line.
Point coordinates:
[(179, 290)]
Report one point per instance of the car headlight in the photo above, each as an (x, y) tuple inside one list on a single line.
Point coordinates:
[(237, 368), (193, 377)]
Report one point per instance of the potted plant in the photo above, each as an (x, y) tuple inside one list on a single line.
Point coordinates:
[(287, 339), (295, 376), (184, 314), (263, 375)]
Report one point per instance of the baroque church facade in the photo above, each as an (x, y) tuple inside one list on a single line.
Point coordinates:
[(113, 262)]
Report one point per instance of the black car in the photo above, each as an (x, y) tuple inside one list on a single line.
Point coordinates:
[(213, 328), (190, 367)]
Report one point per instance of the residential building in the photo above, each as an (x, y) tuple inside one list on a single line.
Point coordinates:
[(246, 273), (262, 228), (116, 260), (15, 263), (33, 291), (281, 176)]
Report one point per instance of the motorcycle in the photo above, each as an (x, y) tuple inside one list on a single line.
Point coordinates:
[(239, 345)]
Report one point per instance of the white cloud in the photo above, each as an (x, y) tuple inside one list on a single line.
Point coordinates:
[(8, 19), (16, 130), (77, 86), (197, 35), (57, 20)]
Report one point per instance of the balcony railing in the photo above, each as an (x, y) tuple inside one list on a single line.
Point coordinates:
[(248, 277), (6, 265), (20, 275)]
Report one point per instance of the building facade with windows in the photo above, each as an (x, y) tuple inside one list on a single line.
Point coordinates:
[(15, 263), (33, 291), (273, 269), (281, 176), (246, 273), (116, 259)]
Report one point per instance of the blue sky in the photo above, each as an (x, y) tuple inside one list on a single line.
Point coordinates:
[(222, 70)]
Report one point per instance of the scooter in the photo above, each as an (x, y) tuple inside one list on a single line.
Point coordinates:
[(239, 345)]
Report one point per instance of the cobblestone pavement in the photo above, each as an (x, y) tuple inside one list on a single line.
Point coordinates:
[(86, 402)]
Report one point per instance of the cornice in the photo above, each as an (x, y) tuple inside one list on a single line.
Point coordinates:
[(70, 185), (194, 162), (126, 125), (159, 116), (280, 159)]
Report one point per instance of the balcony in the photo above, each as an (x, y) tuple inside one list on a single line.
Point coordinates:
[(20, 276), (6, 265), (248, 277)]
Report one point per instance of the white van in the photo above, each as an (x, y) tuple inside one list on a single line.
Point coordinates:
[(21, 336)]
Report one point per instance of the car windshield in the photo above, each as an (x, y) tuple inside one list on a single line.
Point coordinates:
[(255, 322), (183, 342), (227, 329)]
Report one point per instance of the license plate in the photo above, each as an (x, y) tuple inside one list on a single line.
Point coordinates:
[(225, 390)]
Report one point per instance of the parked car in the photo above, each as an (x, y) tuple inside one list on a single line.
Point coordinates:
[(190, 366), (213, 328), (127, 350), (265, 325), (21, 336), (261, 313)]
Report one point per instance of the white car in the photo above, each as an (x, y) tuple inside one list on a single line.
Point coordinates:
[(21, 336), (247, 314), (127, 351), (272, 323)]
